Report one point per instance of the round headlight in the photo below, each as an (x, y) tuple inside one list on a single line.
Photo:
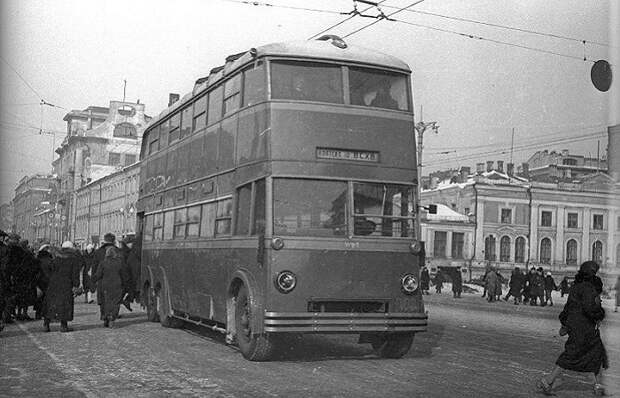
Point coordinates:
[(409, 283), (277, 243), (415, 247), (286, 281)]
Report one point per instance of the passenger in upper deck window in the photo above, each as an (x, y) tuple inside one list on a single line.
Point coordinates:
[(384, 99), (299, 90)]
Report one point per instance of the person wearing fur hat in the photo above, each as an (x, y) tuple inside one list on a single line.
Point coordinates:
[(581, 318), (64, 280), (112, 277)]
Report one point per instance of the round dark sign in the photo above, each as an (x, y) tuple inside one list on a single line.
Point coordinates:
[(601, 75)]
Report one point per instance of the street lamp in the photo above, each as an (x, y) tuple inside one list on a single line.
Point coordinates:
[(420, 128)]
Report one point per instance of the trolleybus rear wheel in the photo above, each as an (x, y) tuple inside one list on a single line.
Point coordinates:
[(152, 312), (255, 347), (394, 345)]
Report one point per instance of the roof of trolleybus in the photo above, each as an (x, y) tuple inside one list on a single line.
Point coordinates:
[(315, 50)]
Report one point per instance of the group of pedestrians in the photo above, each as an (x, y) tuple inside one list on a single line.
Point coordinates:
[(50, 279), (455, 277), (535, 287)]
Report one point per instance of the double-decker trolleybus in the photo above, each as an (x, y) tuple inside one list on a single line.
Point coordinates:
[(279, 197)]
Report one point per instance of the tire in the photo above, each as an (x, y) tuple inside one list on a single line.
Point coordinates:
[(253, 347), (166, 320), (152, 313), (393, 345)]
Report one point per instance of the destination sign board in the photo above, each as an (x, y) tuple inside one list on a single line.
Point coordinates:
[(347, 154)]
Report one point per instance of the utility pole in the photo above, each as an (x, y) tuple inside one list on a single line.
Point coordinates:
[(420, 128)]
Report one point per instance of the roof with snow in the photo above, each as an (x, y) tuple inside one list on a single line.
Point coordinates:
[(444, 213)]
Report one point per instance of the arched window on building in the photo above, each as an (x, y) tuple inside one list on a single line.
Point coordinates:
[(571, 252), (489, 248), (597, 252), (125, 130), (504, 249), (520, 250), (545, 251)]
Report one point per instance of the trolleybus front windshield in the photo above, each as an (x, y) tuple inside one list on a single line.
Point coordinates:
[(305, 207)]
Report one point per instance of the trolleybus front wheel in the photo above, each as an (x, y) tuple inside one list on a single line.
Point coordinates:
[(393, 345), (254, 347)]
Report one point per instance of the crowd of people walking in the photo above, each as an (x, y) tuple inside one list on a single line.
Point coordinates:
[(49, 279)]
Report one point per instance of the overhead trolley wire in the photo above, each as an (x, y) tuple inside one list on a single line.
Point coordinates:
[(556, 36), (258, 3), (471, 36), (520, 148), (388, 17), (353, 15), (21, 77), (544, 140)]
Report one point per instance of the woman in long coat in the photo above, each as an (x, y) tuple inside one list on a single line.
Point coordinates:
[(581, 317), (63, 274), (113, 281)]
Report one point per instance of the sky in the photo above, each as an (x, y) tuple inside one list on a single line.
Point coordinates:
[(77, 53)]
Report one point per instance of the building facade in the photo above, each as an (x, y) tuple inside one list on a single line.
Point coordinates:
[(449, 239), (6, 217), (528, 223), (100, 141), (552, 166), (107, 205), (33, 193)]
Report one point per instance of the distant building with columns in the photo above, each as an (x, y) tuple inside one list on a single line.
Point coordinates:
[(520, 222)]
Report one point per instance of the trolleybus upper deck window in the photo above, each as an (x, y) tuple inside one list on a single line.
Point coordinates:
[(307, 81), (380, 89), (309, 207)]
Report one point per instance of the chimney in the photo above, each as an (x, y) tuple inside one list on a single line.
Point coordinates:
[(489, 165), (500, 166), (479, 168), (526, 169), (510, 169), (464, 173), (613, 157), (172, 98)]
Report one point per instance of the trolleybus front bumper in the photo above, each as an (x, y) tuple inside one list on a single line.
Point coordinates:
[(344, 322)]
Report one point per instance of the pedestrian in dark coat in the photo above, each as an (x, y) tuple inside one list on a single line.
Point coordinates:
[(134, 263), (425, 280), (581, 317), (4, 281), (109, 240), (457, 283), (44, 259), (564, 286), (517, 280), (113, 280), (24, 280), (549, 287), (64, 280), (438, 281), (537, 287), (128, 294)]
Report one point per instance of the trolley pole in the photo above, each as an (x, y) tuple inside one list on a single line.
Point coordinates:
[(420, 128)]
